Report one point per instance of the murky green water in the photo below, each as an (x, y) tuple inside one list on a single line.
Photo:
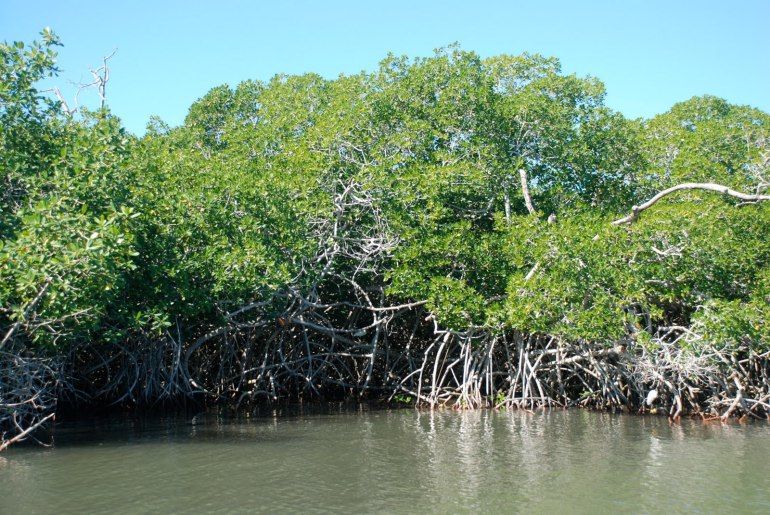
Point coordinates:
[(393, 461)]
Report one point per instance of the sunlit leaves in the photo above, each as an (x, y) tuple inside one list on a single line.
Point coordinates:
[(174, 230)]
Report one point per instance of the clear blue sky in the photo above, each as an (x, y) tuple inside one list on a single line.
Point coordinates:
[(649, 53)]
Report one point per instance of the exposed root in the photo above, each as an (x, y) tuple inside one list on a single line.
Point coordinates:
[(400, 355), (28, 395)]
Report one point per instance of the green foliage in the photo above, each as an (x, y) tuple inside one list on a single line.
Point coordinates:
[(27, 141), (581, 285), (187, 223), (705, 139), (66, 218)]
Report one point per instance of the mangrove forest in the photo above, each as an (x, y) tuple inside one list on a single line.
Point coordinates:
[(448, 231)]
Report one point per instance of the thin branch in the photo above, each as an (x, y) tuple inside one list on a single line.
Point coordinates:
[(26, 313), (532, 272), (7, 443)]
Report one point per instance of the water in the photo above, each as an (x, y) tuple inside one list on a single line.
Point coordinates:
[(393, 461)]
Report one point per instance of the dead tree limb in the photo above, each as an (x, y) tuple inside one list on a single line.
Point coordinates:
[(21, 436), (525, 191), (708, 186)]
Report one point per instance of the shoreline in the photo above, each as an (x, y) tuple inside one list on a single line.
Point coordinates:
[(612, 380)]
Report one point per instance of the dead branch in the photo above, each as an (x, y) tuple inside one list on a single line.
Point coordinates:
[(525, 191), (21, 436), (707, 186)]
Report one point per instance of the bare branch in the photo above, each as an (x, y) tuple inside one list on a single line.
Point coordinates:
[(101, 76), (19, 437), (707, 186), (525, 191)]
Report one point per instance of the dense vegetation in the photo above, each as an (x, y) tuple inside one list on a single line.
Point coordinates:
[(438, 231)]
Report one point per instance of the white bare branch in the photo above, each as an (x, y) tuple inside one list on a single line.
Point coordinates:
[(525, 191), (707, 186)]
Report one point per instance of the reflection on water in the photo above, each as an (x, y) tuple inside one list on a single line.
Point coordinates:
[(393, 461)]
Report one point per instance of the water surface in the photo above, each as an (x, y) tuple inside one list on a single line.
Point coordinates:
[(353, 461)]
